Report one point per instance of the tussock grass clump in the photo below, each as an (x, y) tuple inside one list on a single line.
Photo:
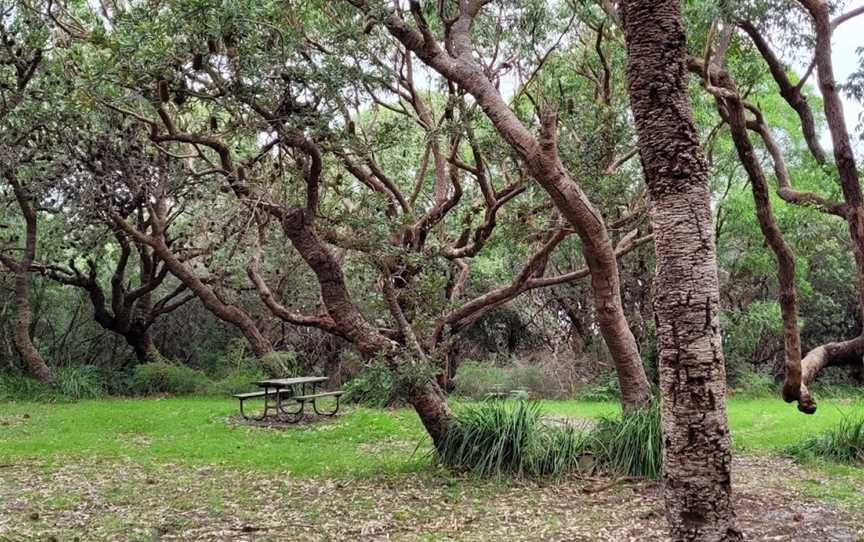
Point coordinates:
[(81, 382), (500, 438), (511, 438), (631, 445), (160, 377), (844, 443)]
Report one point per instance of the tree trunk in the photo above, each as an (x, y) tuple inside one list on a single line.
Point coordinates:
[(142, 344), (33, 359), (427, 398), (696, 454), (23, 343), (731, 107)]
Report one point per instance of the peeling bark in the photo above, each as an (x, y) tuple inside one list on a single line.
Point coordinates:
[(696, 451)]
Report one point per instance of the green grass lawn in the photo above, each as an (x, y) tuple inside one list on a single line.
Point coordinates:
[(194, 431)]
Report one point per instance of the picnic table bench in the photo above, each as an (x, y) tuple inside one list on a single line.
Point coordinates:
[(278, 392)]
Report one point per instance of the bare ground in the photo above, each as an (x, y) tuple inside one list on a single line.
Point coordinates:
[(86, 500)]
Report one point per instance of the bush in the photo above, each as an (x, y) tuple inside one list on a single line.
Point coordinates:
[(505, 437), (281, 364), (631, 445), (375, 387), (80, 382), (475, 380), (605, 390), (755, 384), (844, 443), (160, 377), (16, 387), (238, 381)]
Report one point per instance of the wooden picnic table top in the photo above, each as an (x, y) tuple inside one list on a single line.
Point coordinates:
[(285, 382)]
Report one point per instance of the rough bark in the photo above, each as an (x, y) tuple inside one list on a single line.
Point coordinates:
[(696, 453), (541, 159), (21, 269)]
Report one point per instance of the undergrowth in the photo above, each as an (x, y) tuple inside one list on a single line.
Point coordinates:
[(844, 443), (512, 438)]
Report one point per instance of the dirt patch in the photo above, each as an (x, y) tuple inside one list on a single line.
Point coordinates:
[(127, 501), (284, 422)]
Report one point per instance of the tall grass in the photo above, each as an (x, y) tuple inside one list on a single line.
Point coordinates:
[(844, 443), (631, 445), (511, 438), (81, 382)]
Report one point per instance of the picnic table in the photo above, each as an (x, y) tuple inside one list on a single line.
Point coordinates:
[(289, 396)]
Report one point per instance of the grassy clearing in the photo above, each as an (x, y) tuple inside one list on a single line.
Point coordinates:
[(194, 431), (161, 469), (363, 441)]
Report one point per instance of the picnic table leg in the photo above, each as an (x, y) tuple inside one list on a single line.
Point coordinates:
[(295, 415), (332, 413)]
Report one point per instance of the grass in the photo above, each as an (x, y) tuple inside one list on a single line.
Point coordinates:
[(143, 469), (364, 441), (194, 431)]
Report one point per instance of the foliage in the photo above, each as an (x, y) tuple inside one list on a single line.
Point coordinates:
[(843, 442), (498, 438), (630, 445), (160, 377), (238, 381), (18, 387), (477, 380), (756, 384), (81, 382), (606, 389), (375, 386)]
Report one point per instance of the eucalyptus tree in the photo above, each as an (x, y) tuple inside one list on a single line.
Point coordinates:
[(696, 453), (444, 37), (743, 115)]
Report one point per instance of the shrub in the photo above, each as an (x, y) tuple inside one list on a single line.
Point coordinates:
[(475, 380), (509, 437), (756, 384), (281, 364), (152, 378), (605, 390), (238, 381), (17, 387), (375, 387), (80, 382), (844, 443), (631, 445)]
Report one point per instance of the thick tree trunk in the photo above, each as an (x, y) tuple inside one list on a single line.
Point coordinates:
[(142, 344), (427, 398), (32, 358), (696, 454), (23, 343)]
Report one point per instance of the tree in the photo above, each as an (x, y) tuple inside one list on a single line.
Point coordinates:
[(696, 451), (540, 156), (21, 51)]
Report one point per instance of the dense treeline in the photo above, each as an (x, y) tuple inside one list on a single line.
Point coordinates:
[(412, 185)]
